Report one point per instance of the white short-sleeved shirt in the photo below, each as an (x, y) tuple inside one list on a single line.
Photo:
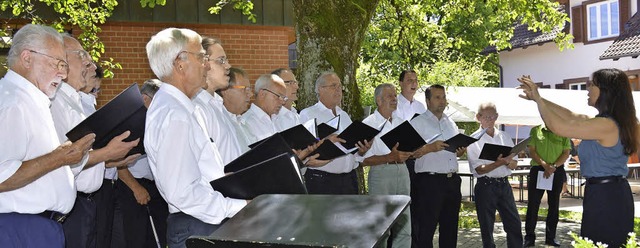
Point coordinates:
[(140, 168), (182, 158), (429, 126), (378, 148), (67, 112), (407, 109), (285, 119), (221, 130), (257, 124), (27, 131), (473, 153), (342, 164)]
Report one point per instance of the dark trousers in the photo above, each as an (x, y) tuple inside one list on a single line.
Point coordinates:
[(608, 212), (495, 194), (80, 225), (411, 167), (320, 182), (105, 204), (181, 226), (535, 196), (29, 231), (437, 204), (135, 217)]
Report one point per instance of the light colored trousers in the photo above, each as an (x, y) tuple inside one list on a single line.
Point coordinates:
[(393, 179)]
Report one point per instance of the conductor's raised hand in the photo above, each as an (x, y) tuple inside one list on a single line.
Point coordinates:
[(118, 148), (71, 153), (529, 88)]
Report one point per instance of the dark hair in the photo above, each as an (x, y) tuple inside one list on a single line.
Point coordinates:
[(208, 41), (150, 87), (403, 73), (99, 71), (427, 92), (279, 71), (616, 101)]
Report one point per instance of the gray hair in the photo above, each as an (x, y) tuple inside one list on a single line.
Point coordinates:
[(150, 87), (263, 82), (487, 105), (165, 46), (233, 74), (322, 80), (378, 91), (31, 36)]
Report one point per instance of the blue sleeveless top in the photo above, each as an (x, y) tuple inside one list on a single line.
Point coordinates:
[(599, 161)]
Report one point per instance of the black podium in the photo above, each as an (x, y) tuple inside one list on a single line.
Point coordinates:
[(308, 221)]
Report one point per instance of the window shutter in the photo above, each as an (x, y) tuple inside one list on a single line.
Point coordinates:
[(625, 13), (577, 23)]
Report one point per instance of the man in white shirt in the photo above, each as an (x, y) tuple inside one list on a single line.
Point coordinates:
[(138, 196), (407, 104), (270, 94), (388, 174), (339, 175), (493, 191), (182, 157), (36, 185), (67, 112), (236, 101), (288, 116), (437, 184), (219, 127)]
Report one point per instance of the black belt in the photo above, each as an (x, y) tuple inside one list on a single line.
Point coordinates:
[(448, 175), (609, 179), (85, 195), (53, 215), (320, 173), (489, 180)]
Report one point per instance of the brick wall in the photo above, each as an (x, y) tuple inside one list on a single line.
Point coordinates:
[(256, 49)]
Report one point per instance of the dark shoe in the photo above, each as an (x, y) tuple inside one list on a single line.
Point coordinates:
[(552, 243), (529, 243)]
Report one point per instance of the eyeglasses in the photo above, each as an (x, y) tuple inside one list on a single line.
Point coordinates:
[(61, 65), (201, 56), (291, 82), (282, 97), (240, 87), (82, 54), (220, 60), (489, 117), (333, 86)]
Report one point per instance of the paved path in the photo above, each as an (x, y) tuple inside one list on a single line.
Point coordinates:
[(470, 238)]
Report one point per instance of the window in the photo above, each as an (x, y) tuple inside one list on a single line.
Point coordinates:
[(603, 20), (578, 86)]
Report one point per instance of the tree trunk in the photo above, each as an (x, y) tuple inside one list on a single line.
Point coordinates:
[(329, 36)]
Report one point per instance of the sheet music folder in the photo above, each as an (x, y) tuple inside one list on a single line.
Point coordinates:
[(297, 137), (267, 148), (325, 129), (460, 140), (355, 132), (408, 138), (492, 151), (354, 221), (276, 175), (124, 112)]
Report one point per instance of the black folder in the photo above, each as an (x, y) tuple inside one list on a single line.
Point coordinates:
[(277, 175), (325, 129), (357, 131), (415, 115), (408, 138), (267, 148), (492, 151), (460, 140), (124, 112), (297, 137), (329, 151)]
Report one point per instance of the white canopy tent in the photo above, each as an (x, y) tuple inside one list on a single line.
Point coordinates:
[(513, 110)]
